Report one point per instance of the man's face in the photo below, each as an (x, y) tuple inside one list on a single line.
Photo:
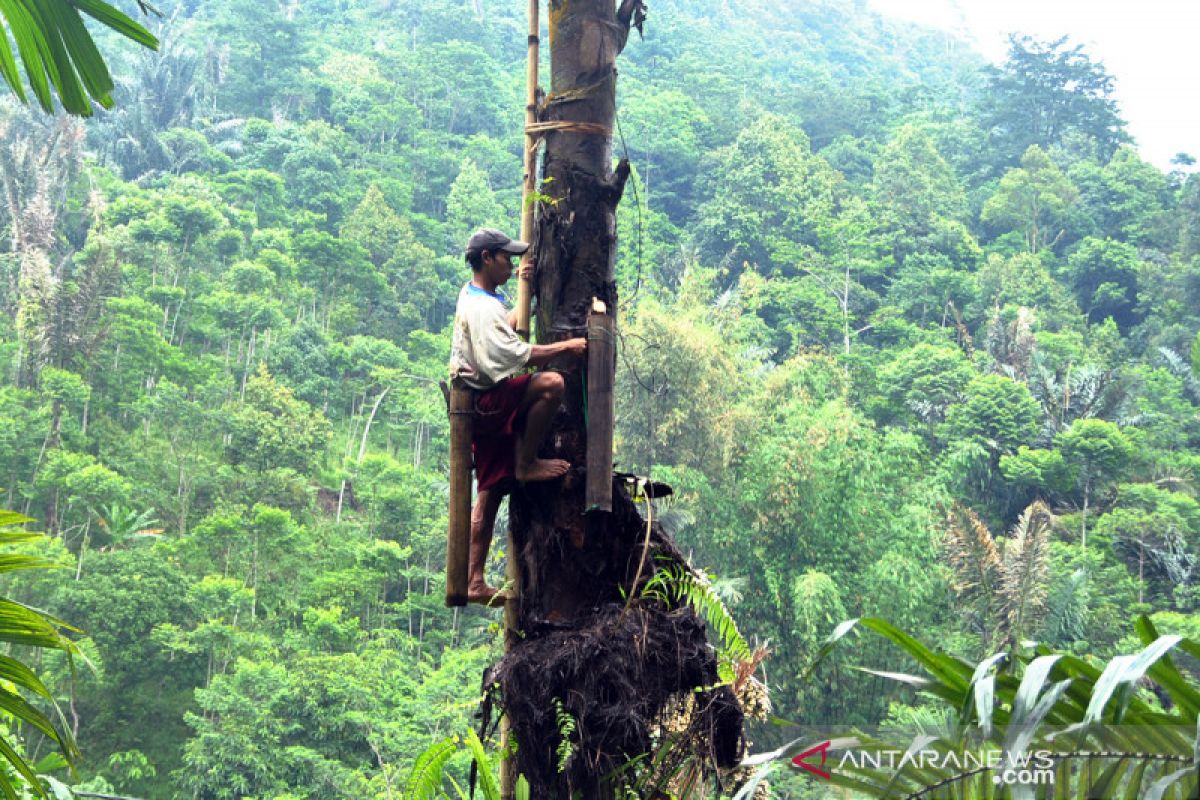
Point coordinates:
[(498, 266)]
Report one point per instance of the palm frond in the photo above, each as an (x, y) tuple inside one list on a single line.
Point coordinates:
[(20, 624), (1026, 562), (1104, 732), (1179, 367), (974, 557), (59, 54)]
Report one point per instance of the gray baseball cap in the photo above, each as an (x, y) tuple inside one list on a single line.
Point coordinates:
[(492, 239)]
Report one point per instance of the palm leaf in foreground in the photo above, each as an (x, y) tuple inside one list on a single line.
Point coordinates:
[(57, 51), (22, 625)]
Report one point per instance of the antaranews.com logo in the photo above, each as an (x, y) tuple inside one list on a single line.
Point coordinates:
[(1032, 768), (1093, 761)]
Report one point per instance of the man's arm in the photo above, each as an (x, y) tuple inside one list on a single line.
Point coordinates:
[(524, 272), (542, 354)]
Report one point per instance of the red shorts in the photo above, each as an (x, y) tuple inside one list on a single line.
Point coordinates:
[(494, 437)]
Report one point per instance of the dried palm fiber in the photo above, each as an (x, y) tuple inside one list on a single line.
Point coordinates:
[(619, 673)]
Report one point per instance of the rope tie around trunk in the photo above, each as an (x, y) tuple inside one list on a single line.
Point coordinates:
[(567, 126)]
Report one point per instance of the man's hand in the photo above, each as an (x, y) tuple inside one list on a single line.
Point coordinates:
[(524, 272), (542, 354)]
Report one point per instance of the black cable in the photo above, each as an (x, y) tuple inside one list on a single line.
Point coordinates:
[(638, 204)]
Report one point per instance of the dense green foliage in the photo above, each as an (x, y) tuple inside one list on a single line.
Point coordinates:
[(862, 297)]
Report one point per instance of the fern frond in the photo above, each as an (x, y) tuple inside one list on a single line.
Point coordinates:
[(676, 584), (566, 729), (425, 780), (487, 770)]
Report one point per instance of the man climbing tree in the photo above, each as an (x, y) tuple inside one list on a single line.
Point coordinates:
[(512, 411)]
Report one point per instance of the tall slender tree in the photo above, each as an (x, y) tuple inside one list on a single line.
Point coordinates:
[(586, 647)]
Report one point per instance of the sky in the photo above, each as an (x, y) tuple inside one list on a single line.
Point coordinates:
[(1150, 47)]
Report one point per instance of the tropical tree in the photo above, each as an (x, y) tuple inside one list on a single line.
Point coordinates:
[(1045, 90), (1034, 199), (1099, 451), (1004, 582)]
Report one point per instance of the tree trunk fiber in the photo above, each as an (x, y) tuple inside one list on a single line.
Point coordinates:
[(578, 647)]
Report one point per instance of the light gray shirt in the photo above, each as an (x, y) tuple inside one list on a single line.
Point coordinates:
[(485, 349)]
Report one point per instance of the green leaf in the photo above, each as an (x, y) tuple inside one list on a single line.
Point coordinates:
[(1030, 689), (950, 671), (915, 681), (1133, 787), (983, 692), (985, 703), (1166, 674), (1159, 787), (1138, 667), (1104, 688), (425, 780), (20, 708), (8, 68), (58, 63), (31, 45), (12, 517), (57, 51), (113, 18), (81, 50), (20, 675), (487, 773), (1021, 734), (20, 766)]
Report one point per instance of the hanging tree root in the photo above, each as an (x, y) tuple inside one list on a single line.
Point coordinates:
[(623, 675)]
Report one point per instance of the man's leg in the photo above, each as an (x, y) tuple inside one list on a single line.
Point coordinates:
[(542, 398), (483, 520)]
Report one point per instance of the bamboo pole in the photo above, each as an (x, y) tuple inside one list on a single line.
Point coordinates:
[(508, 767), (508, 760), (458, 541), (601, 374), (524, 285)]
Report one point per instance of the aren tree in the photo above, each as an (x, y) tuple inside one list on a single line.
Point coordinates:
[(590, 643)]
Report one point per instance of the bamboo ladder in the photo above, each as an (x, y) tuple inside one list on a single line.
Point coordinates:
[(508, 770), (460, 399)]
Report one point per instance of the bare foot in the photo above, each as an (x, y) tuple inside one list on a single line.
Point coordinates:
[(543, 469), (486, 596)]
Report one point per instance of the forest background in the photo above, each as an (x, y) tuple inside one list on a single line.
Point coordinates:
[(877, 298)]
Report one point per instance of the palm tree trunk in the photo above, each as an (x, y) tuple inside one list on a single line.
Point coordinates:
[(576, 568)]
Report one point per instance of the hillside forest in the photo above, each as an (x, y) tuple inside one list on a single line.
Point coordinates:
[(877, 298)]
